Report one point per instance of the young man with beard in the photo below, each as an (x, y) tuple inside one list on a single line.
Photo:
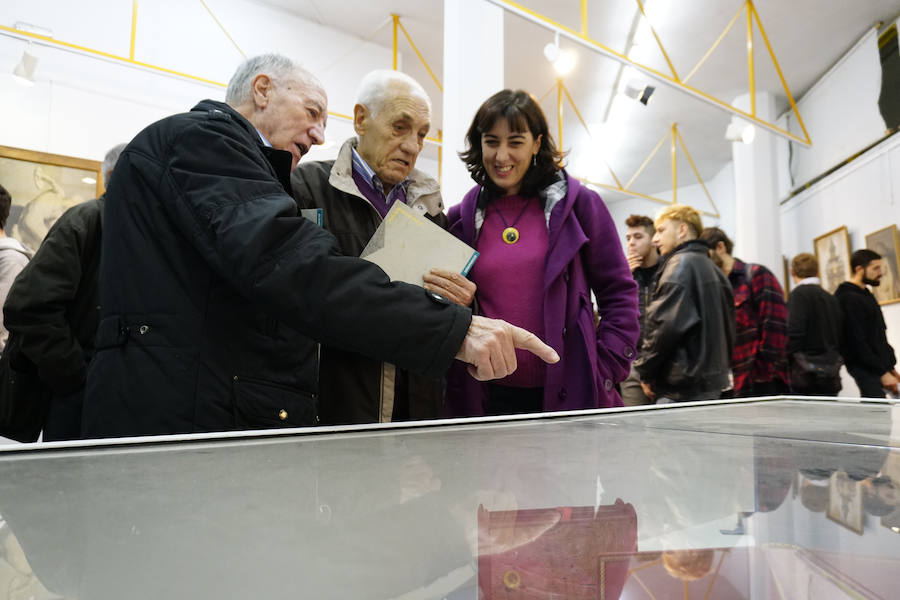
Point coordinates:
[(867, 354), (689, 326), (643, 259)]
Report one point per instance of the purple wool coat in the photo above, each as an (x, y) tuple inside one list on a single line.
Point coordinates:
[(584, 253)]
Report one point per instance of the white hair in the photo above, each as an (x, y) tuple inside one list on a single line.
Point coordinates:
[(276, 66), (110, 160), (376, 87)]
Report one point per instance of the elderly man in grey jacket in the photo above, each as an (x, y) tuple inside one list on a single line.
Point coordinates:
[(373, 170)]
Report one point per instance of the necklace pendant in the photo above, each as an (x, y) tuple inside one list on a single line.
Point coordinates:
[(510, 235)]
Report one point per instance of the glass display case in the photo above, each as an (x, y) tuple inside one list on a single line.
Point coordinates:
[(782, 498)]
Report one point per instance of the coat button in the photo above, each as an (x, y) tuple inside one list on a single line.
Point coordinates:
[(629, 352), (282, 414), (608, 384), (565, 329), (144, 329), (563, 394)]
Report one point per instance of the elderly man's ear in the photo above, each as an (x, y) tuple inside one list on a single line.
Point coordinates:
[(361, 119), (261, 86)]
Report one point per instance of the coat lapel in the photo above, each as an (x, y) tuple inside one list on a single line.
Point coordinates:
[(566, 237)]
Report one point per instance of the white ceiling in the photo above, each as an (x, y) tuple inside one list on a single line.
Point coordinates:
[(807, 36)]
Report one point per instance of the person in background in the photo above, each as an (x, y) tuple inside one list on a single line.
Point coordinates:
[(869, 357), (373, 170), (759, 363), (214, 289), (13, 258), (643, 260), (545, 244), (689, 326), (814, 332), (53, 308)]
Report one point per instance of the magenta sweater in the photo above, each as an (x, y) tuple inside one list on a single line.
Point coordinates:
[(510, 277)]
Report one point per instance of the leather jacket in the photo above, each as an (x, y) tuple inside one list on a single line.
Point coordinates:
[(689, 328)]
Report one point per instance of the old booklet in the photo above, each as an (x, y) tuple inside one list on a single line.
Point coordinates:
[(407, 245)]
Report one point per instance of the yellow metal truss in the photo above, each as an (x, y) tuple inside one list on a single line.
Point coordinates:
[(672, 80), (673, 136)]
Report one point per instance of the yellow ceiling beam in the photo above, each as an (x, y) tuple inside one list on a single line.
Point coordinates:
[(673, 136), (658, 41), (600, 48), (399, 23)]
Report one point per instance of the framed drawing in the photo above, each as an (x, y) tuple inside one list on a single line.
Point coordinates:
[(833, 254), (42, 187), (886, 243), (845, 501)]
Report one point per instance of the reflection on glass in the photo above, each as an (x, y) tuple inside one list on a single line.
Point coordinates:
[(17, 580)]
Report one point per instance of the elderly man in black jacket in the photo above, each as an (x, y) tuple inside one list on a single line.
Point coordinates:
[(373, 170), (689, 327), (213, 288)]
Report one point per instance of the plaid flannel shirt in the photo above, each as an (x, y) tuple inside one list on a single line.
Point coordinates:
[(761, 327)]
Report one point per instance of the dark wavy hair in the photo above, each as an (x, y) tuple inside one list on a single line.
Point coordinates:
[(523, 113)]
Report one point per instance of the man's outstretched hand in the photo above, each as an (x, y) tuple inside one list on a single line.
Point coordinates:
[(490, 348)]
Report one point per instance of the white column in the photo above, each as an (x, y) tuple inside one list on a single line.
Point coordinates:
[(473, 71), (757, 235)]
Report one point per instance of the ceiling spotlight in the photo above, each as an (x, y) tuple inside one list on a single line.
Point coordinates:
[(551, 51), (24, 71), (636, 92), (740, 131), (563, 61)]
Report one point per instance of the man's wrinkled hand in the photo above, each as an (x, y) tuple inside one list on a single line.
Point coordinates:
[(452, 286), (490, 348)]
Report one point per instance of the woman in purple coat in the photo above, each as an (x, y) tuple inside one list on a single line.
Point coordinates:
[(545, 243)]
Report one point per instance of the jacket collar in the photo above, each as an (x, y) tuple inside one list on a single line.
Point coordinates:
[(280, 160), (420, 189), (694, 246)]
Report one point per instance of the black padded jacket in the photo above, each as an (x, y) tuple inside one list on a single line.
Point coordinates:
[(214, 290)]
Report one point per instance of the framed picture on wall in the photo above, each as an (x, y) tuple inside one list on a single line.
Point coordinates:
[(886, 243), (833, 254), (43, 186)]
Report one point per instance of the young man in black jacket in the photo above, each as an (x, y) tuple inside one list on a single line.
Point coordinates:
[(643, 259), (814, 332), (689, 328), (867, 354), (53, 308)]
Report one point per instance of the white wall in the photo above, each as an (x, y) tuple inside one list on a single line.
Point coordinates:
[(82, 105), (842, 116), (840, 112)]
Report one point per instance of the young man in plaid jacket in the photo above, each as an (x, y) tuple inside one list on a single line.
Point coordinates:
[(759, 362)]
